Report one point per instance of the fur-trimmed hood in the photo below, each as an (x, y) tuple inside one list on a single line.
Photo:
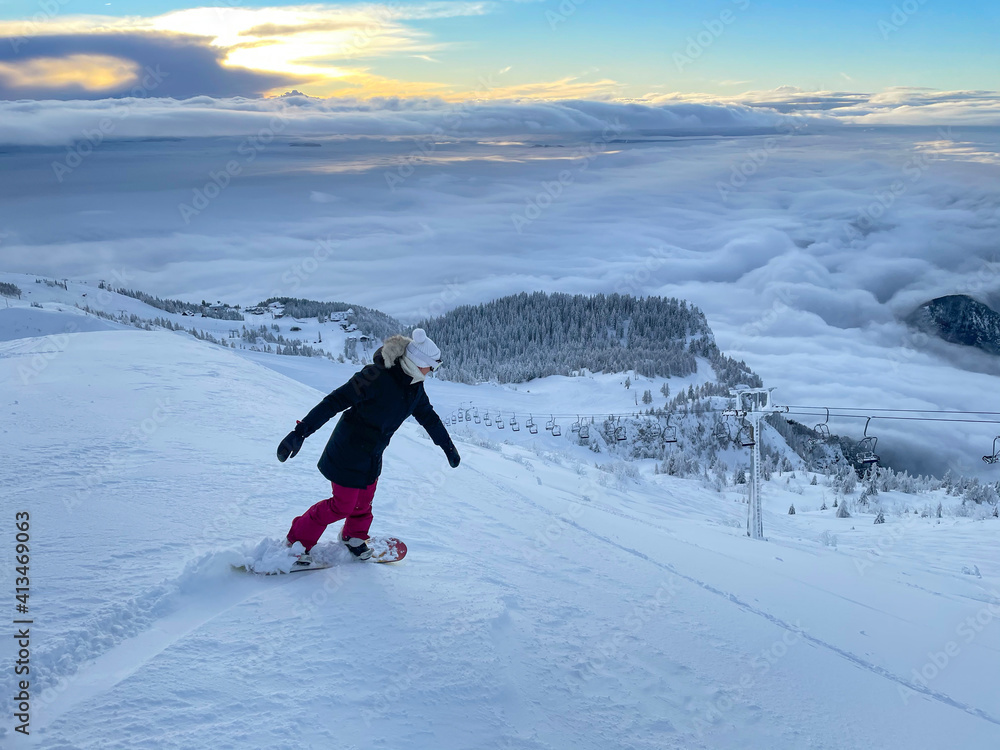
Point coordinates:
[(393, 348)]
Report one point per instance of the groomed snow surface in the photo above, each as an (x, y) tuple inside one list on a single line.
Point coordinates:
[(544, 603)]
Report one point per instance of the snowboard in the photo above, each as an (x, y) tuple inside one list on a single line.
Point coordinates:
[(384, 550)]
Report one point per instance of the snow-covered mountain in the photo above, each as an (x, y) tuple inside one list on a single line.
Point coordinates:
[(552, 597), (960, 319)]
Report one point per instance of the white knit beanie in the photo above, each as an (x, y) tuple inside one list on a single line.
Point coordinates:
[(423, 351)]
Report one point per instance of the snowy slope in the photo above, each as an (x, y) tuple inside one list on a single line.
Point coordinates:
[(32, 322), (78, 294), (544, 603)]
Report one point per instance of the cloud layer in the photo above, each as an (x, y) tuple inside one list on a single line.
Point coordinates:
[(154, 112), (55, 122)]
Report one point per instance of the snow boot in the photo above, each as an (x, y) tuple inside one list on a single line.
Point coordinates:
[(357, 547), (304, 559)]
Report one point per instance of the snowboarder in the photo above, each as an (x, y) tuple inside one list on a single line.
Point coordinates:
[(375, 402)]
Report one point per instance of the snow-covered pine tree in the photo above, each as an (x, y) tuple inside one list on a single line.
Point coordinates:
[(351, 349), (10, 290)]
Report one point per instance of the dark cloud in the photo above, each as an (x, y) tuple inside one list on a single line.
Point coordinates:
[(187, 66)]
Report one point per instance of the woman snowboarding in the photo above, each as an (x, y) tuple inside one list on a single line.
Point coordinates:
[(375, 402)]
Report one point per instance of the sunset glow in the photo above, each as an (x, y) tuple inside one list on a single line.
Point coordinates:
[(90, 72)]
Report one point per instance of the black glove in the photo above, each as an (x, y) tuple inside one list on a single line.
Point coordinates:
[(290, 445), (453, 458)]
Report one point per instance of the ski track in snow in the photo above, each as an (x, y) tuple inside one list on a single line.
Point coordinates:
[(116, 643), (732, 598)]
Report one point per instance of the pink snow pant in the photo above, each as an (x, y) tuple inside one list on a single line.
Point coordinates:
[(347, 502)]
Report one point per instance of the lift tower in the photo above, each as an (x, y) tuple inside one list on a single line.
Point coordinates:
[(752, 405)]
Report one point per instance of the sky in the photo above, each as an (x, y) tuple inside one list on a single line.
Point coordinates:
[(457, 49)]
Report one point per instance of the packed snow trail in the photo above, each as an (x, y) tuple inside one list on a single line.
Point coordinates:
[(179, 607), (538, 608), (796, 631)]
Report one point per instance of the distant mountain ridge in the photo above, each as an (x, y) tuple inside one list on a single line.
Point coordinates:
[(959, 319)]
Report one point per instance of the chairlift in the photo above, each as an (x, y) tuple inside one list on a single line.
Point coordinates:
[(585, 430), (669, 432), (468, 415), (499, 421), (461, 415), (722, 431), (575, 427), (745, 435), (487, 421), (865, 451), (996, 453), (823, 428), (550, 424), (532, 427), (556, 429), (475, 417), (620, 434)]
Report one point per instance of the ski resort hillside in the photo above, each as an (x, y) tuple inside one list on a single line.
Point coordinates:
[(552, 597), (676, 417), (332, 332)]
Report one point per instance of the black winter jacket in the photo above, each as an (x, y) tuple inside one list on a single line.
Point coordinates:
[(375, 402)]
